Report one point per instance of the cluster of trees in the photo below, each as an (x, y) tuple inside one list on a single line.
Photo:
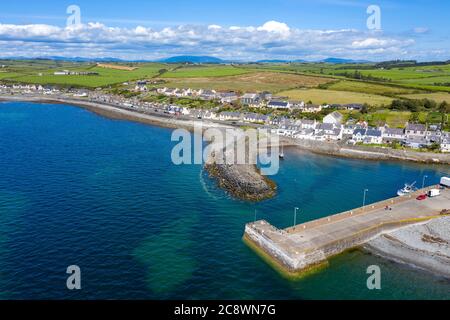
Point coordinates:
[(359, 76), (416, 105), (408, 63)]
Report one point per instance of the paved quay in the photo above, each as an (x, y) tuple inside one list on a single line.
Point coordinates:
[(304, 246)]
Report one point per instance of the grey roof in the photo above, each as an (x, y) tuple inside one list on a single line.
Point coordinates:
[(416, 127), (337, 132), (394, 131), (360, 131), (325, 126), (230, 114), (228, 94), (373, 133), (354, 105), (278, 103), (336, 115)]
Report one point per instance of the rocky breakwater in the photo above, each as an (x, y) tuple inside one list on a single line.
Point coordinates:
[(242, 181)]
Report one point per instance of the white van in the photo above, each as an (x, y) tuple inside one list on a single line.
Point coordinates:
[(445, 182), (434, 193)]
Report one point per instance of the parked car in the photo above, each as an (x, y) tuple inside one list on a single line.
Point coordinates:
[(422, 197)]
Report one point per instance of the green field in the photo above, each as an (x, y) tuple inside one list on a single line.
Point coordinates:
[(319, 96), (437, 96), (205, 71), (370, 88), (42, 74)]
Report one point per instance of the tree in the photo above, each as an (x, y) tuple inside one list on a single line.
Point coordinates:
[(444, 109), (365, 108), (414, 117)]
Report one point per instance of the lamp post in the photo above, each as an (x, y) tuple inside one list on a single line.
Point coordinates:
[(295, 216), (364, 199), (423, 182)]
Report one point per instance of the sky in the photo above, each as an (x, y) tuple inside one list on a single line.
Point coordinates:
[(243, 30)]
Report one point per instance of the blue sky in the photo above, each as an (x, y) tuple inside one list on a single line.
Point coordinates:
[(241, 30)]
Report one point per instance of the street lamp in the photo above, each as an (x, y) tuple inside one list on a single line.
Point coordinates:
[(295, 216), (364, 200), (423, 183)]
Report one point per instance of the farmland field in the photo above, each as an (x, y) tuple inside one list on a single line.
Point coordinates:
[(204, 71), (106, 76), (370, 88), (437, 96), (259, 81), (319, 96)]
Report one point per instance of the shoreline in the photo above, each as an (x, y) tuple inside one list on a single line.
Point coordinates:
[(423, 246), (316, 147)]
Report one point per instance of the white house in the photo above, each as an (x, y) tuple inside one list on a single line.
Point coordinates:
[(415, 130), (393, 134), (228, 97), (279, 105), (359, 135), (230, 116), (305, 134), (445, 144), (312, 108), (334, 118), (308, 124), (251, 99), (373, 136)]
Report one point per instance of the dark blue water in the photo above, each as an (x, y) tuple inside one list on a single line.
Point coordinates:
[(79, 189)]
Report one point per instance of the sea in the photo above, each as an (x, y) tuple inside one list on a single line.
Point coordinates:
[(79, 189)]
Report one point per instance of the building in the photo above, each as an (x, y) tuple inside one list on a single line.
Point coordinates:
[(393, 135), (445, 143), (312, 108), (251, 99), (416, 142), (354, 106), (373, 136), (255, 118), (359, 135), (266, 95), (415, 130), (305, 134), (230, 116), (334, 118), (308, 124), (228, 97), (279, 105)]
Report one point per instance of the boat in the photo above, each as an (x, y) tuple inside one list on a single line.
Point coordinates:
[(282, 153), (408, 189)]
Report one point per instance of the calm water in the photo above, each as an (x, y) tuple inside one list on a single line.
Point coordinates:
[(76, 188)]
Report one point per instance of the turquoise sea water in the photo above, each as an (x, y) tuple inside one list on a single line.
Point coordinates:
[(76, 188)]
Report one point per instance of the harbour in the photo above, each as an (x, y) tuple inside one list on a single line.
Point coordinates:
[(304, 246)]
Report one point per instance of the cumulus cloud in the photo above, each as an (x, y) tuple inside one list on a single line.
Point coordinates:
[(275, 26), (272, 39)]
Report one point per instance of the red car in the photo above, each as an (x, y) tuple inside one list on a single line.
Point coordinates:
[(422, 197)]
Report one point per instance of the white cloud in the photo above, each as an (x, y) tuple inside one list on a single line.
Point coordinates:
[(214, 27), (275, 26), (271, 40)]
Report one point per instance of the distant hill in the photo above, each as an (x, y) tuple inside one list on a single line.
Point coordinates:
[(342, 61), (192, 59), (279, 61)]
